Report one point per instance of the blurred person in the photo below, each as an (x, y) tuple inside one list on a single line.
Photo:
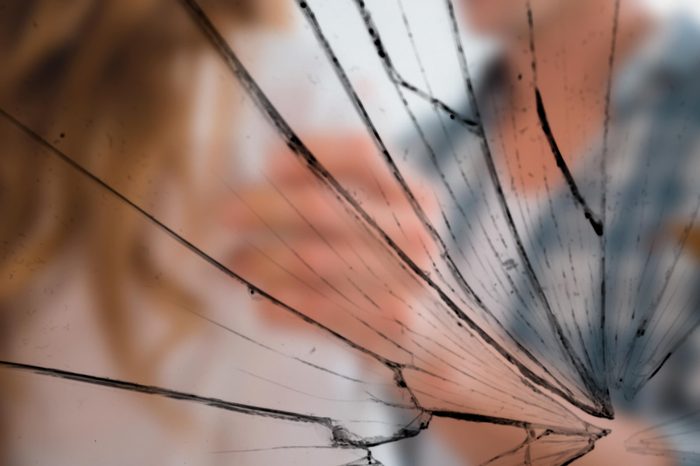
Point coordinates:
[(654, 119), (573, 49), (652, 88)]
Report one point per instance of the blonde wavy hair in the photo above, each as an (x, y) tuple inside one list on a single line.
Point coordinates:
[(78, 71)]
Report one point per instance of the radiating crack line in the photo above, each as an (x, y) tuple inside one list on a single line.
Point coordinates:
[(299, 149), (394, 366), (600, 397), (556, 386), (592, 218)]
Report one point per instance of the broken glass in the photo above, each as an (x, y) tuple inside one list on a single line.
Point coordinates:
[(351, 243)]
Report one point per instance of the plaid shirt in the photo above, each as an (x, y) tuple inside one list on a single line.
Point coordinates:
[(652, 283)]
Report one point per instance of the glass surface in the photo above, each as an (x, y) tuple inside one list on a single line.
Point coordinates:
[(349, 232)]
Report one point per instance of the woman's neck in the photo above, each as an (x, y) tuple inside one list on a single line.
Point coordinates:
[(573, 45), (572, 59)]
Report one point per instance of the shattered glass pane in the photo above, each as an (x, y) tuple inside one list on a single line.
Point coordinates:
[(349, 232)]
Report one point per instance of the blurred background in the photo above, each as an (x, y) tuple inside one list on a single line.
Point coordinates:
[(220, 246)]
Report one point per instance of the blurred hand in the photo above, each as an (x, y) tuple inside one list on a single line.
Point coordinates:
[(297, 241)]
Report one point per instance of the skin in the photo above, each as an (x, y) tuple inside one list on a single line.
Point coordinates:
[(317, 230), (572, 43)]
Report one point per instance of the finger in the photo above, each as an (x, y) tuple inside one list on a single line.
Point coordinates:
[(352, 160), (261, 207), (353, 269), (305, 212)]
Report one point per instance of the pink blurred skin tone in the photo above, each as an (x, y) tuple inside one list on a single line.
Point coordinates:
[(276, 230), (507, 19), (572, 41)]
